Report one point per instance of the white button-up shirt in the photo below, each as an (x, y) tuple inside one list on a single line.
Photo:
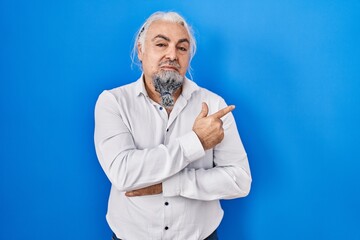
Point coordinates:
[(139, 145)]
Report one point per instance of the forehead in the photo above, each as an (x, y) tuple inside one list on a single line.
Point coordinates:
[(174, 31)]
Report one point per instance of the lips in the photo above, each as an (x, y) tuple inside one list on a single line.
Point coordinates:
[(170, 68), (170, 65)]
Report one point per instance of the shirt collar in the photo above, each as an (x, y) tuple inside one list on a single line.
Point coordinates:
[(189, 87), (140, 86)]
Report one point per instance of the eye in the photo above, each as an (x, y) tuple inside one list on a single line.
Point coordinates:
[(183, 49), (161, 45)]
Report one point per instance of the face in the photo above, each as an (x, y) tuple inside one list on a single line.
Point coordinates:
[(167, 48)]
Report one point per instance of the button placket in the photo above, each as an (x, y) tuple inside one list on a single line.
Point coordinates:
[(167, 215)]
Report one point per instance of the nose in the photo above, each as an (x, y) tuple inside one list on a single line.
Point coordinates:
[(171, 53)]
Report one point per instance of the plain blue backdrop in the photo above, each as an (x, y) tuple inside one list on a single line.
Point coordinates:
[(292, 68)]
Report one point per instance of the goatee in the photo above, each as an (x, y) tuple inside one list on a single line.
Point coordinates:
[(166, 83)]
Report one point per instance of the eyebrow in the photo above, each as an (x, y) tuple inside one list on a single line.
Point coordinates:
[(184, 40), (161, 36), (168, 39)]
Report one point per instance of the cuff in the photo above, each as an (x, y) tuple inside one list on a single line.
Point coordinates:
[(171, 186), (192, 146)]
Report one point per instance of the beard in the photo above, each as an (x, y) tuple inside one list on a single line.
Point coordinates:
[(166, 83)]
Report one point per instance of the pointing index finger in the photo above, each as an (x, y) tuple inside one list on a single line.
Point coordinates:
[(223, 112)]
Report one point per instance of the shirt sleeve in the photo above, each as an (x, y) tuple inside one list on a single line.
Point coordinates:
[(229, 178), (129, 168)]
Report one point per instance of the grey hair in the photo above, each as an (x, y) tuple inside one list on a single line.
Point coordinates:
[(163, 16)]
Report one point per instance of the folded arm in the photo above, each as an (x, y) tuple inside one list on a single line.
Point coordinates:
[(129, 168)]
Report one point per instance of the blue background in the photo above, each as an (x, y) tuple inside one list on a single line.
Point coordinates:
[(291, 68)]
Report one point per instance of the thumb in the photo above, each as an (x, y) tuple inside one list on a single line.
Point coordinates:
[(204, 110)]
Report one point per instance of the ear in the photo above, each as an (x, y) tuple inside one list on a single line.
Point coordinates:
[(140, 53)]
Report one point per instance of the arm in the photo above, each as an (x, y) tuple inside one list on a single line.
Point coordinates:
[(230, 178), (129, 168)]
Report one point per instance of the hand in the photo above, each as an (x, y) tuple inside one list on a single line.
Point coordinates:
[(151, 190), (209, 128)]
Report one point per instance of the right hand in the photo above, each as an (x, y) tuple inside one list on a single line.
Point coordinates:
[(209, 128)]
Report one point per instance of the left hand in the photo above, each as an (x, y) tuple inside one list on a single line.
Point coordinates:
[(151, 190)]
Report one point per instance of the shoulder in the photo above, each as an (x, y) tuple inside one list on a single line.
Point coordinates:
[(120, 93), (211, 98), (197, 92), (200, 94), (209, 94), (124, 91)]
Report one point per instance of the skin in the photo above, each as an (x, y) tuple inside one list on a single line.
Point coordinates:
[(167, 41)]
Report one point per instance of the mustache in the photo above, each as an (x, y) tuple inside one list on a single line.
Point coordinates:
[(172, 63)]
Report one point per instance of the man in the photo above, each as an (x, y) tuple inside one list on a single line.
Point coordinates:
[(170, 148)]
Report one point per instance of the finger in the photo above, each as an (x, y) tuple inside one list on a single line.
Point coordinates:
[(222, 135), (204, 110), (221, 123), (131, 194), (223, 112)]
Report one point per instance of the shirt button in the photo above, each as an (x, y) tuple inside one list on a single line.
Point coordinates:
[(160, 108), (166, 228), (166, 203), (167, 130)]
